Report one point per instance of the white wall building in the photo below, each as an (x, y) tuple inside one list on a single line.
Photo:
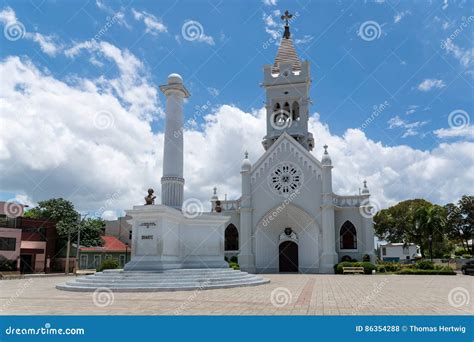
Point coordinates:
[(394, 252), (288, 218)]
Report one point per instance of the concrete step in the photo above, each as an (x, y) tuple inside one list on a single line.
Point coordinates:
[(172, 280)]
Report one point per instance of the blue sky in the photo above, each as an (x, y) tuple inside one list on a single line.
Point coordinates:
[(403, 61)]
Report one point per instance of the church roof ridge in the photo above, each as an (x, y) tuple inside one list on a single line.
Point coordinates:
[(284, 136)]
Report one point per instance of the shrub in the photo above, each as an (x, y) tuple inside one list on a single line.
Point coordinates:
[(368, 266), (441, 271), (234, 265), (108, 264), (234, 259), (226, 259), (366, 258), (346, 258), (425, 265), (390, 266), (467, 256)]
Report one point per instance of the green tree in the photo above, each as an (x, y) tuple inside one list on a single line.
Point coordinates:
[(428, 222), (397, 223), (459, 223), (59, 210), (68, 220), (91, 231)]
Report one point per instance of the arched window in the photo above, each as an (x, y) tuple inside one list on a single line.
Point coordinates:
[(231, 238), (348, 236), (295, 111), (286, 108)]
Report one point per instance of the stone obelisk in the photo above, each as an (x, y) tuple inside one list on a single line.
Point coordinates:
[(172, 182)]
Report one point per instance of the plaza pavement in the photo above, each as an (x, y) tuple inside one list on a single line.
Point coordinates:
[(287, 294)]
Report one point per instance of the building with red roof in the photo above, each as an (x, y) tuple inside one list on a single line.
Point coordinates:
[(92, 257)]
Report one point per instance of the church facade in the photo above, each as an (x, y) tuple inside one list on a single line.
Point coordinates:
[(288, 219)]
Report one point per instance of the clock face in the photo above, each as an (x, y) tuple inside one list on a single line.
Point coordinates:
[(286, 178)]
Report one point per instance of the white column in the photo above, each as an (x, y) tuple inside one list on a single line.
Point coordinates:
[(172, 182), (329, 255), (246, 256), (368, 225)]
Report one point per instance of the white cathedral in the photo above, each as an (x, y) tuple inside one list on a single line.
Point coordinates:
[(288, 218)]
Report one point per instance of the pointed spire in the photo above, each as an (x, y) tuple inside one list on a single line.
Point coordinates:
[(286, 51)]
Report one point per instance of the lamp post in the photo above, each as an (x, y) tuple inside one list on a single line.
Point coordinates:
[(79, 223), (126, 252), (430, 239)]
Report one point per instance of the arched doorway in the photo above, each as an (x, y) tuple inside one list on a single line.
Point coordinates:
[(288, 251), (231, 238)]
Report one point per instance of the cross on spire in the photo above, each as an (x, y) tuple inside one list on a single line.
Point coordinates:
[(325, 149), (286, 17)]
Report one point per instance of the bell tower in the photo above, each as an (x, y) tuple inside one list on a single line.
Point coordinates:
[(286, 84)]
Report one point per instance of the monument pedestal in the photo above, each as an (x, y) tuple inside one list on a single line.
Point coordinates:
[(163, 238)]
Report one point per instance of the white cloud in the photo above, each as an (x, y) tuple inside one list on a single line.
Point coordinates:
[(465, 56), (270, 2), (411, 109), (410, 128), (54, 142), (8, 16), (466, 131), (153, 25), (46, 43), (131, 87), (50, 147), (399, 16), (305, 40), (109, 215), (431, 83)]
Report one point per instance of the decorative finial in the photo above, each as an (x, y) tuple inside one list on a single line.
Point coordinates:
[(215, 190), (286, 17), (365, 183), (325, 149), (246, 154)]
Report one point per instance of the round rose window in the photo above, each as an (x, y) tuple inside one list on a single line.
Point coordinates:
[(286, 178)]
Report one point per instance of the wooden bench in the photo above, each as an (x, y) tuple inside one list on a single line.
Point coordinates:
[(353, 270)]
